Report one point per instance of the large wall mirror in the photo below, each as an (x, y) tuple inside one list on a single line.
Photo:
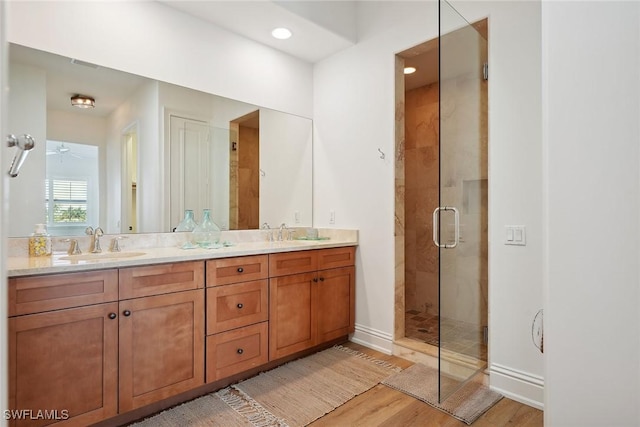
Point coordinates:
[(146, 152)]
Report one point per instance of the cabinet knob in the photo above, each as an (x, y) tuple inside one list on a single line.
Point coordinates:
[(315, 279), (322, 279), (126, 313), (112, 316), (240, 305), (239, 351), (240, 269)]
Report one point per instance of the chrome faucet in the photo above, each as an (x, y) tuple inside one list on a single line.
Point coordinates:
[(283, 226), (115, 243), (97, 233), (74, 248), (265, 226)]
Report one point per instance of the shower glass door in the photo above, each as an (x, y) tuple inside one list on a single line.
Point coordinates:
[(460, 223)]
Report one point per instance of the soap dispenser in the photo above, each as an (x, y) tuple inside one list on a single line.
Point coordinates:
[(40, 242)]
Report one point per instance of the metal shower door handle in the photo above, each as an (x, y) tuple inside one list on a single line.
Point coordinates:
[(436, 225)]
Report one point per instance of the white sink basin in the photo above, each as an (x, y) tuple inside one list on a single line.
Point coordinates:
[(99, 256)]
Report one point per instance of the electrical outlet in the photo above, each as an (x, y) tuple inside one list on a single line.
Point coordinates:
[(296, 216), (332, 217)]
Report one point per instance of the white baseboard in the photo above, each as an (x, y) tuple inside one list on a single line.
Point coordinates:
[(517, 385), (373, 338)]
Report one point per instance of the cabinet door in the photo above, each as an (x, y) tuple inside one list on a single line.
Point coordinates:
[(336, 303), (65, 362), (292, 323), (161, 347)]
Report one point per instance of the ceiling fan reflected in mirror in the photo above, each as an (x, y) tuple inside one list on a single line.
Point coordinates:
[(62, 150)]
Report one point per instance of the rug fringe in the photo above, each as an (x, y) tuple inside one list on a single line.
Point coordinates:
[(246, 406), (368, 358)]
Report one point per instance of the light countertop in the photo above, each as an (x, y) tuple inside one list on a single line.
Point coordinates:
[(242, 243)]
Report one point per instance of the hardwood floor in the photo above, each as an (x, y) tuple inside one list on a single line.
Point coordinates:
[(384, 406)]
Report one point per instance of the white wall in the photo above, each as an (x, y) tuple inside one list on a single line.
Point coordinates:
[(515, 193), (592, 158), (28, 114), (152, 40), (140, 110), (286, 159), (4, 339), (354, 116)]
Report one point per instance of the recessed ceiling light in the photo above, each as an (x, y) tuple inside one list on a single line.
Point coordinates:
[(409, 70), (281, 33)]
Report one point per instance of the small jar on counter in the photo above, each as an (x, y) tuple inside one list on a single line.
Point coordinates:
[(40, 242)]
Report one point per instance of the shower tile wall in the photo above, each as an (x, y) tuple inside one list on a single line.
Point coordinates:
[(465, 183), (421, 198)]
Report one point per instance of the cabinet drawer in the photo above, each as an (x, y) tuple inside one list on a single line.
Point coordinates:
[(159, 279), (240, 269), (336, 257), (235, 351), (286, 263), (57, 291), (240, 304)]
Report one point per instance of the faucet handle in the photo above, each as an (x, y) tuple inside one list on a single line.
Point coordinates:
[(115, 243), (267, 229), (98, 231), (74, 248), (88, 231)]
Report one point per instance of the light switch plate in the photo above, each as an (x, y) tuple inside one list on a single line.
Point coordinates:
[(515, 235)]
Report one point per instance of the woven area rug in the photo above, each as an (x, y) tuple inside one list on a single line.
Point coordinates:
[(294, 394), (207, 410), (306, 389), (466, 404)]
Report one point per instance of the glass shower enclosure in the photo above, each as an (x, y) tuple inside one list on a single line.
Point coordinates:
[(460, 221)]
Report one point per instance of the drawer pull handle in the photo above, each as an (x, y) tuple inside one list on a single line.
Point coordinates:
[(126, 313), (240, 305), (240, 351), (240, 269), (112, 316)]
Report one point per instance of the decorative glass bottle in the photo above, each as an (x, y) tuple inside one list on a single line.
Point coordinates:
[(188, 223), (207, 233), (40, 241)]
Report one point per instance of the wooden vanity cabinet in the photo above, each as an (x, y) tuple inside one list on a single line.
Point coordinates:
[(312, 298), (105, 358), (161, 351), (64, 359), (105, 342), (237, 315)]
